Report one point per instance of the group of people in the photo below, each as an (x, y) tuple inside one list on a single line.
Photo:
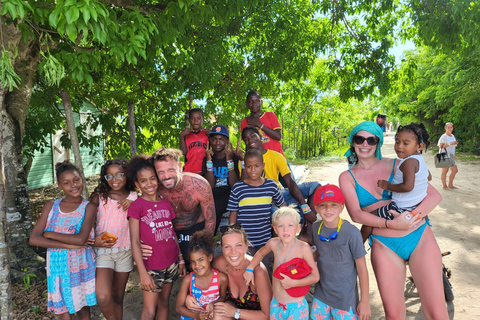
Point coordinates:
[(161, 215)]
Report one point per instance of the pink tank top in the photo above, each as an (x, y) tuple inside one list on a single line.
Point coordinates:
[(114, 220)]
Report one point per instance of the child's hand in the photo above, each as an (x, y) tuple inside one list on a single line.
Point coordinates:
[(203, 315), (124, 204), (363, 310), (208, 152), (384, 184), (254, 122), (146, 282), (192, 304), (185, 132), (90, 242), (229, 151), (209, 309), (248, 276), (100, 242), (182, 271), (238, 150), (287, 282)]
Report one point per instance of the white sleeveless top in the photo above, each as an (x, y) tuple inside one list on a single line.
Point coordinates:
[(419, 191)]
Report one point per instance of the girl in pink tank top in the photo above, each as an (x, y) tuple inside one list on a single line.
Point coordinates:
[(112, 196)]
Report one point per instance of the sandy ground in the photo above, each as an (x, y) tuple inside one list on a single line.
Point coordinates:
[(456, 225)]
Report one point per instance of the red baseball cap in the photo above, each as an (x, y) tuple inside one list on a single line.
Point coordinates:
[(296, 268), (328, 192)]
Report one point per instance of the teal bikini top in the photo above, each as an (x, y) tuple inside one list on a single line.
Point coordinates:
[(365, 198)]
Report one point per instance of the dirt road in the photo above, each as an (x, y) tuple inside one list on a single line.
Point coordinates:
[(456, 225)]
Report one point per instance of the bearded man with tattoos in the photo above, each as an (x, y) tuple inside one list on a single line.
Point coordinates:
[(189, 194)]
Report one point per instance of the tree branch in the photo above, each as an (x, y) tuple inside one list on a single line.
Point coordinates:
[(147, 9)]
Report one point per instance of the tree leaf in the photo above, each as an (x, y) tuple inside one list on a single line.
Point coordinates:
[(71, 31), (85, 13)]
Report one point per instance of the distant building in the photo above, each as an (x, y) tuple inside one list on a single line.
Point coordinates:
[(42, 171)]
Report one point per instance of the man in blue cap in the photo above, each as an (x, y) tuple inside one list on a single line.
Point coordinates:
[(220, 168)]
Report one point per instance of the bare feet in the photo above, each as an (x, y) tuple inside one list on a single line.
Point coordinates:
[(452, 187), (445, 187)]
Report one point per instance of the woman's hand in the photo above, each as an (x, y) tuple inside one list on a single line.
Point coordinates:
[(224, 309), (404, 221)]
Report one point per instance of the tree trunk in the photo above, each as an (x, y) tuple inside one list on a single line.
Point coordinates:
[(131, 129), (67, 105), (190, 105), (5, 287), (14, 108)]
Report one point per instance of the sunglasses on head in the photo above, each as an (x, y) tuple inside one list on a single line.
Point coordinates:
[(370, 140), (235, 226)]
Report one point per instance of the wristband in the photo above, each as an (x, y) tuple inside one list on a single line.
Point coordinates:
[(261, 127), (243, 164), (181, 261), (305, 208), (386, 225), (230, 165), (209, 165), (249, 270)]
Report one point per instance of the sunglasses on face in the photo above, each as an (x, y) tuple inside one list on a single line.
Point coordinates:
[(118, 176), (235, 226), (370, 140)]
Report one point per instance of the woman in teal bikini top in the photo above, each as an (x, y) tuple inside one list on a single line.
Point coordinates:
[(365, 198), (399, 238)]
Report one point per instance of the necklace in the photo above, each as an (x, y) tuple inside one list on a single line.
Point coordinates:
[(171, 200), (284, 259), (371, 167)]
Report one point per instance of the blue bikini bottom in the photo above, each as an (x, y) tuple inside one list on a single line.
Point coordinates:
[(402, 246)]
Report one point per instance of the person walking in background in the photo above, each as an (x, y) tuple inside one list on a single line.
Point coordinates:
[(447, 141)]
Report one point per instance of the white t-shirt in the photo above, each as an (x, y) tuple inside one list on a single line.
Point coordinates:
[(448, 140)]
